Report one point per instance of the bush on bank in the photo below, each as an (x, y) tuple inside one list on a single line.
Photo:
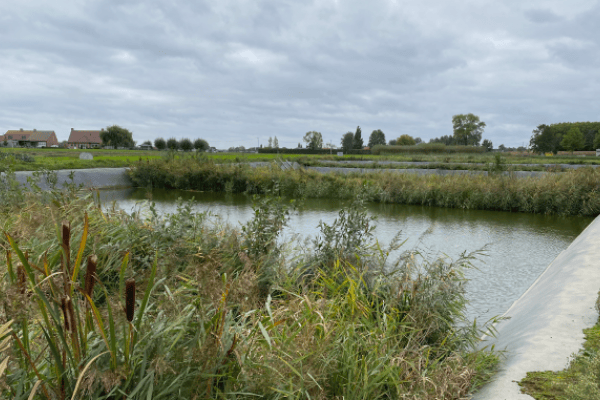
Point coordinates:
[(426, 148), (106, 305), (571, 193)]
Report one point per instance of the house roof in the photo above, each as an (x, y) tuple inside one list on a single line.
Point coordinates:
[(84, 137), (40, 136)]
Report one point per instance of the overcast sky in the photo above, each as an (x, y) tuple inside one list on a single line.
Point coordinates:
[(237, 72)]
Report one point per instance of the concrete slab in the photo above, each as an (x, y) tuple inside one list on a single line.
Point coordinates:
[(546, 322), (91, 177)]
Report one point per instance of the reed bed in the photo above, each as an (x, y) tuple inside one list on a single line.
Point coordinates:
[(99, 304), (570, 193)]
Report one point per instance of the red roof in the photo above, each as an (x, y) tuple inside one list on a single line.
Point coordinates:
[(84, 137)]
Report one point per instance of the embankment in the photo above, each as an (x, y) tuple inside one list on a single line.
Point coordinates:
[(546, 323), (571, 193)]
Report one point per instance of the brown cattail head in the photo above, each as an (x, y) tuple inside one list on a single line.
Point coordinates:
[(90, 274), (129, 298), (21, 278), (65, 309), (66, 234)]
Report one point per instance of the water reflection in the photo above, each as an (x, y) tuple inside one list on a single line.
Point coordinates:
[(519, 246)]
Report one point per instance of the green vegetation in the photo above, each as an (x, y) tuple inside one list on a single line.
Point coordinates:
[(549, 138), (377, 137), (571, 193), (106, 305), (426, 149), (117, 137), (580, 380), (467, 129)]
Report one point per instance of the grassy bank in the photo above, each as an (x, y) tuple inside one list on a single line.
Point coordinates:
[(571, 193), (55, 159), (105, 305), (580, 380)]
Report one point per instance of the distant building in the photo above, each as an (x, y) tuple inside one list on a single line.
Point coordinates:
[(145, 147), (33, 138), (84, 139)]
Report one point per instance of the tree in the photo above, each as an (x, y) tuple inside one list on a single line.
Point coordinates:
[(201, 145), (377, 137), (275, 143), (467, 129), (544, 140), (487, 144), (172, 144), (357, 143), (502, 147), (418, 140), (597, 141), (147, 142), (117, 137), (573, 140), (405, 140), (160, 143), (347, 141), (185, 144), (270, 142), (313, 140)]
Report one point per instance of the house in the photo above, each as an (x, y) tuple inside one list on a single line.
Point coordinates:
[(33, 138), (84, 139)]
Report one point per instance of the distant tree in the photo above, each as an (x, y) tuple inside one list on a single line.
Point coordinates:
[(149, 143), (172, 144), (117, 137), (160, 143), (487, 144), (64, 144), (502, 147), (405, 140), (467, 129), (299, 145), (544, 140), (275, 143), (597, 141), (270, 145), (185, 144), (573, 140), (201, 145), (418, 140), (358, 143), (377, 137), (347, 141), (313, 140)]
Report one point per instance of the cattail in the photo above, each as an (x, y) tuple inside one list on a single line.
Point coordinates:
[(21, 278), (130, 298), (65, 309), (90, 275), (66, 234)]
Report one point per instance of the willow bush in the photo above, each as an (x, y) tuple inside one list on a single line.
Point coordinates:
[(100, 304), (575, 192)]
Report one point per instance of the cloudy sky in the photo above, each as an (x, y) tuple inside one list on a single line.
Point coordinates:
[(238, 72)]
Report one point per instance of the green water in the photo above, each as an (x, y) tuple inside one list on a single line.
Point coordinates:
[(518, 246)]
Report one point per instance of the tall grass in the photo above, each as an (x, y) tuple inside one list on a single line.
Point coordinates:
[(571, 193), (99, 304)]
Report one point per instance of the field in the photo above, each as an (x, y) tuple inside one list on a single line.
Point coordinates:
[(54, 159)]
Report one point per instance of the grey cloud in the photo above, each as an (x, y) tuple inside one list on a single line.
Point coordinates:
[(542, 16)]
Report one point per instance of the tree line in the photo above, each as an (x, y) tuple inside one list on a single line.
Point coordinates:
[(565, 136), (468, 129), (184, 144)]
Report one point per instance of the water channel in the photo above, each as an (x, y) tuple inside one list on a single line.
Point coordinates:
[(518, 246)]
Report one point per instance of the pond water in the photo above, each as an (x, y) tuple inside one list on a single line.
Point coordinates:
[(518, 246)]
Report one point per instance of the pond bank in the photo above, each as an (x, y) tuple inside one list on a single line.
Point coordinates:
[(91, 177), (546, 323)]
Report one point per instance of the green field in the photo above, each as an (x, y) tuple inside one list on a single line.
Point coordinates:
[(54, 159)]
